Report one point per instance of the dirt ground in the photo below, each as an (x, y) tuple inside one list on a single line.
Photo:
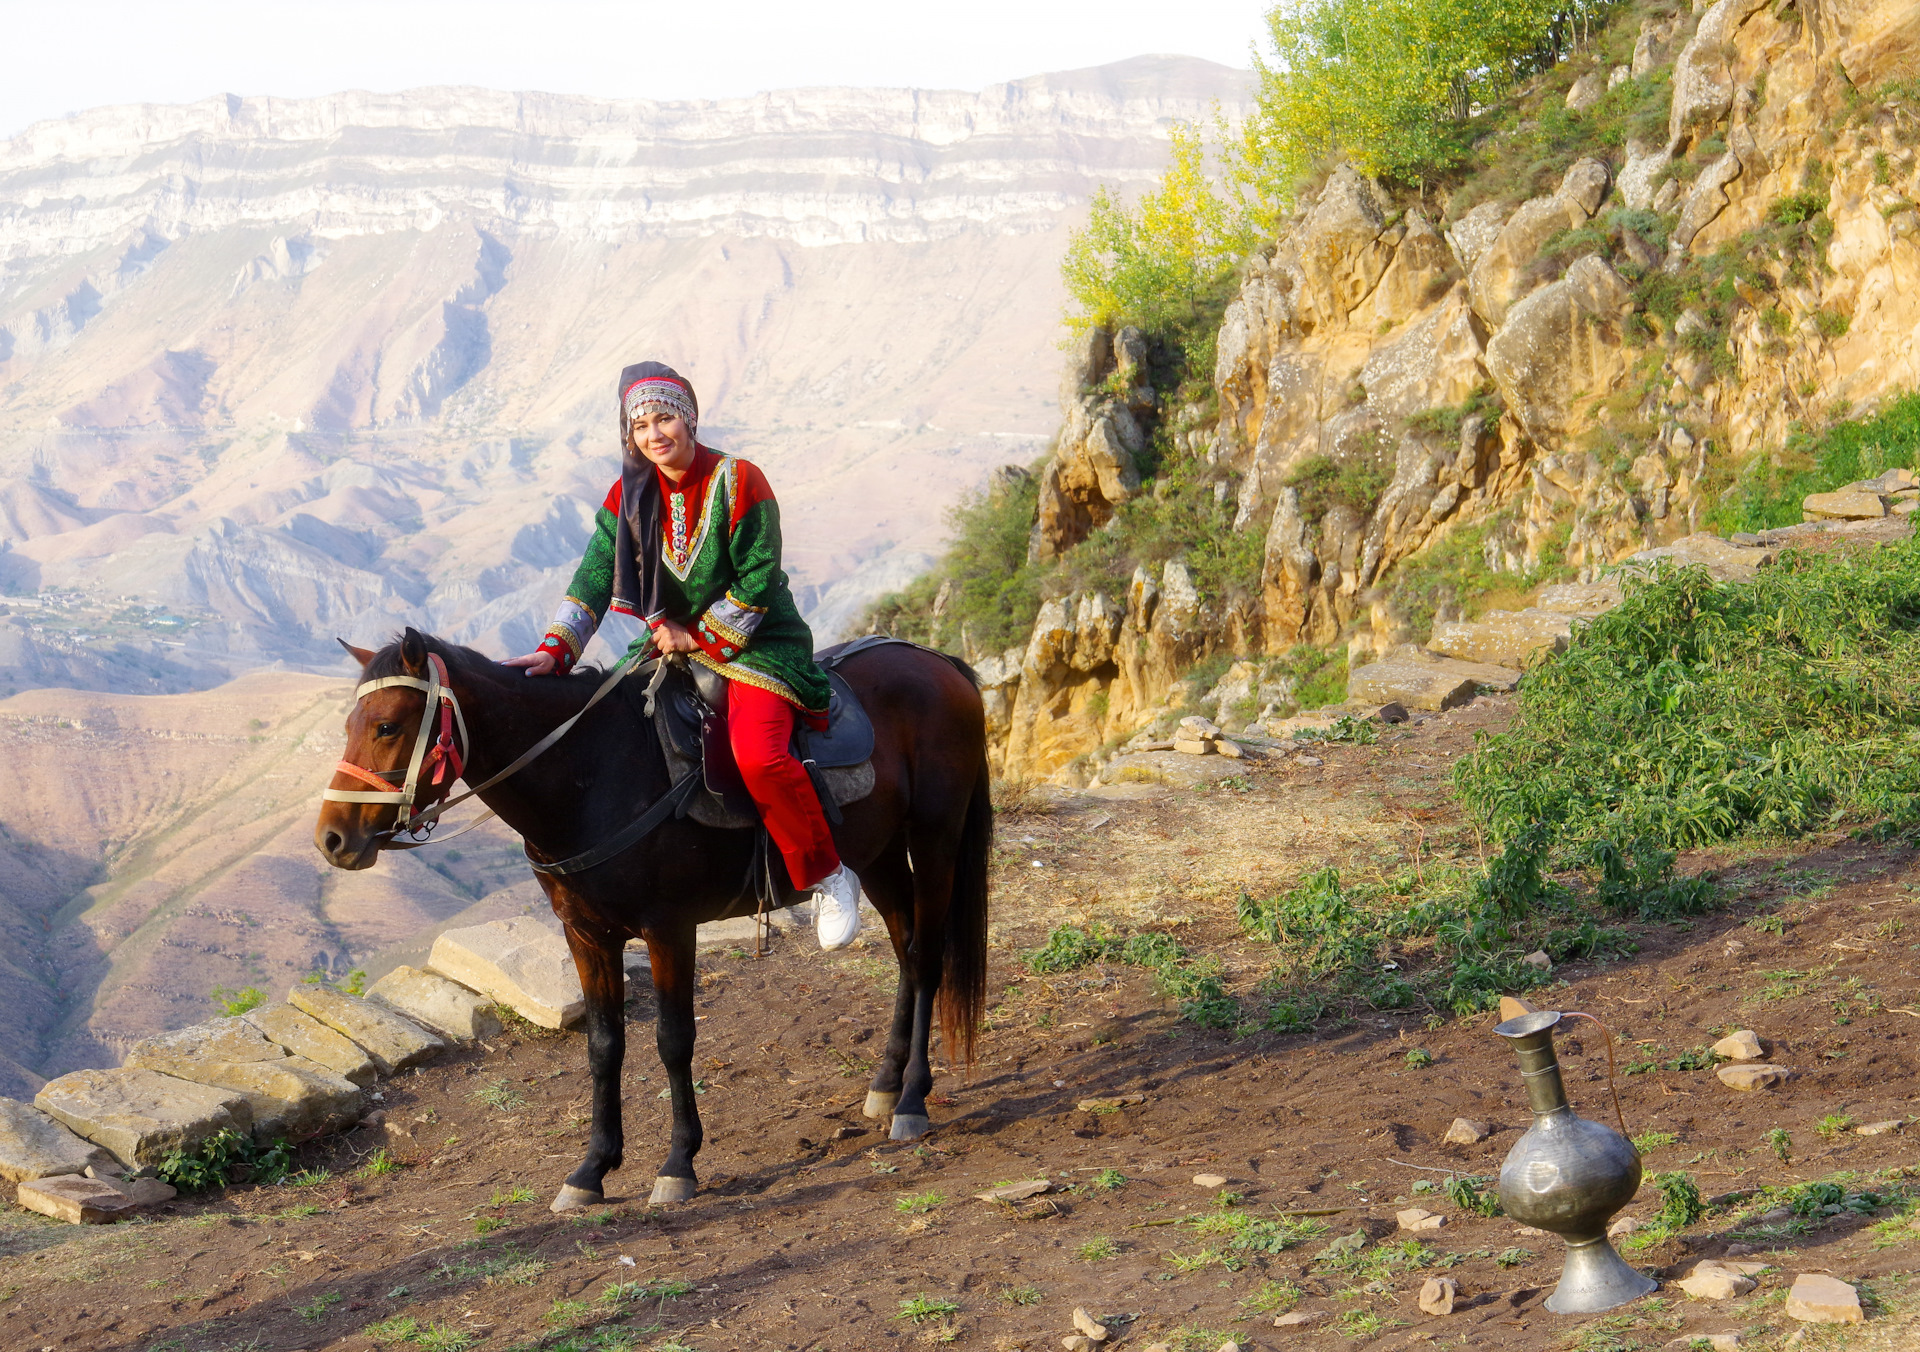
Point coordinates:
[(812, 1231)]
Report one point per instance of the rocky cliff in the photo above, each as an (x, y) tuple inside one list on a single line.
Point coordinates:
[(1527, 388), (272, 370)]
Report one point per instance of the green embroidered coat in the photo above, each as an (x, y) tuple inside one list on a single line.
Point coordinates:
[(720, 545)]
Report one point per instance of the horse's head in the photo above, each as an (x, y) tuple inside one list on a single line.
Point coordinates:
[(400, 756)]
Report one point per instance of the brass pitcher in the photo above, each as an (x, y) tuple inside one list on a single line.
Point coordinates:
[(1569, 1176)]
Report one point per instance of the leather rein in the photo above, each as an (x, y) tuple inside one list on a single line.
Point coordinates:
[(447, 761)]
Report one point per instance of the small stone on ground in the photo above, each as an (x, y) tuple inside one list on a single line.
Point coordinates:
[(1088, 1325), (1209, 1181), (1819, 1299), (1710, 1281), (1750, 1077), (1416, 1219), (1741, 1046), (1438, 1295), (1015, 1192), (1877, 1128), (1465, 1131), (76, 1199)]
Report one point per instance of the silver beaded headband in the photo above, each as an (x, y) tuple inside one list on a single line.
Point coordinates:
[(660, 392)]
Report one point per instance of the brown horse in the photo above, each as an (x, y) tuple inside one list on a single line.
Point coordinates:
[(919, 841)]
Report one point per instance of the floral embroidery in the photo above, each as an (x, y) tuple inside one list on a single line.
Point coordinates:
[(677, 531)]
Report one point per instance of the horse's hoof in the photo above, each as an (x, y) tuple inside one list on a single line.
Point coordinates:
[(909, 1127), (669, 1190), (879, 1104), (572, 1198)]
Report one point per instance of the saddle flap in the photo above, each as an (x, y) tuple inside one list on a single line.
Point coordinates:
[(848, 739)]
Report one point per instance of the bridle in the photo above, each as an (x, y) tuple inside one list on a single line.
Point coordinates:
[(446, 759)]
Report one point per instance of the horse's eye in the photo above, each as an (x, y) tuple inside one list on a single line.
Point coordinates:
[(387, 730)]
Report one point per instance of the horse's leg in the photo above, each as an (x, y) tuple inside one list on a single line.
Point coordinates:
[(603, 982), (932, 895), (888, 883), (672, 955)]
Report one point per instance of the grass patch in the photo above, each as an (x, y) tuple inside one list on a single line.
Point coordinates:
[(502, 1096), (1696, 712), (1193, 982), (1097, 1250), (1770, 490), (919, 1203), (923, 1308)]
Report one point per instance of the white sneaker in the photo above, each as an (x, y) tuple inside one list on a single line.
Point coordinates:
[(836, 906)]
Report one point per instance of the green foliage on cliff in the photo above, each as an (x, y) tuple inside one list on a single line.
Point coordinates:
[(1771, 490), (1697, 711), (1394, 86), (991, 588)]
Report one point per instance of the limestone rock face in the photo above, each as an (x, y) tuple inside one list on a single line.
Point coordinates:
[(391, 1042), (1504, 638), (1498, 273), (447, 1007), (519, 962), (141, 1116), (1560, 346), (288, 1095), (33, 1145)]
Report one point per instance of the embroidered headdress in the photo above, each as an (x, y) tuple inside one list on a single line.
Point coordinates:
[(652, 385)]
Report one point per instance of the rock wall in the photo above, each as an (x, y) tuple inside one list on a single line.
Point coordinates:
[(1366, 312)]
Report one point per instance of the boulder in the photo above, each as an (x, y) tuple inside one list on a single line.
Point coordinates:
[(1743, 1045), (1500, 271), (1504, 638), (447, 1007), (1849, 504), (142, 1116), (391, 1042), (1559, 349), (1587, 91), (1749, 1077), (1419, 679), (519, 962), (288, 1095), (33, 1145), (303, 1035), (1819, 1299)]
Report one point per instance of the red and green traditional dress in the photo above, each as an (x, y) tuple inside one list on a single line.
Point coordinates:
[(719, 575)]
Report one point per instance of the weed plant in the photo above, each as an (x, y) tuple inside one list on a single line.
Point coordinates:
[(227, 1156), (1696, 712), (1193, 982)]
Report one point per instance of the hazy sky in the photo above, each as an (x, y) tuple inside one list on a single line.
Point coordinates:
[(60, 56)]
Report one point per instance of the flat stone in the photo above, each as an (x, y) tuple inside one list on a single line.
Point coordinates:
[(1016, 1192), (1581, 598), (1438, 1295), (391, 1042), (1295, 1318), (142, 1116), (1310, 762), (76, 1199), (1749, 1077), (1623, 1226), (303, 1035), (1539, 959), (33, 1145), (1512, 1007), (1199, 728), (1088, 1325), (1465, 1131), (1843, 506), (1724, 562), (1189, 747), (519, 962), (1209, 1181), (1819, 1299), (431, 1000), (1741, 1046), (1417, 685), (1877, 1128), (289, 1095), (1504, 638), (1229, 748), (1709, 1282), (1417, 1219), (1107, 1105)]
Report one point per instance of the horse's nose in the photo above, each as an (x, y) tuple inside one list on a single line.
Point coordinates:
[(331, 843)]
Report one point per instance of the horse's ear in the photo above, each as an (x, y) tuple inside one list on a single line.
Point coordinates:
[(413, 652), (364, 656)]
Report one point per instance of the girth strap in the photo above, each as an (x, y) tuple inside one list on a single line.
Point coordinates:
[(632, 834)]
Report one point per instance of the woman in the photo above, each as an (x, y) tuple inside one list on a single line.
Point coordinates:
[(688, 541)]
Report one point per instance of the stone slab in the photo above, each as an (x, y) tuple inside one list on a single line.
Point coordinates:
[(1710, 1282), (391, 1042), (1418, 1219), (303, 1035), (518, 962), (1417, 685), (141, 1116), (1752, 1076), (1724, 561), (1581, 598), (1504, 638), (445, 1006), (289, 1095), (76, 1199), (1843, 506), (1819, 1299), (33, 1145)]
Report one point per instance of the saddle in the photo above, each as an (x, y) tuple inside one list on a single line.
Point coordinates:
[(691, 722)]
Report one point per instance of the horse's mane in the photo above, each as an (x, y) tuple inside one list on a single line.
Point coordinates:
[(575, 688)]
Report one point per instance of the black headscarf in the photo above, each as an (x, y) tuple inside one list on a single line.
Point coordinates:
[(636, 559)]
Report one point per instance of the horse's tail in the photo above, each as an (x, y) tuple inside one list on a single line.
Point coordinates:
[(963, 982)]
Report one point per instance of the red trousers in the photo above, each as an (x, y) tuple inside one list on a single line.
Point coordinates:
[(760, 727)]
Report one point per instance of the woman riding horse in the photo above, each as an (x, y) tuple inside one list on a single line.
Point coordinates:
[(688, 541)]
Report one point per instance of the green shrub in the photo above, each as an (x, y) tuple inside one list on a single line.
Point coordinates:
[(995, 592), (225, 1157), (232, 1003), (1194, 983), (1770, 490), (1322, 482), (1696, 711)]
